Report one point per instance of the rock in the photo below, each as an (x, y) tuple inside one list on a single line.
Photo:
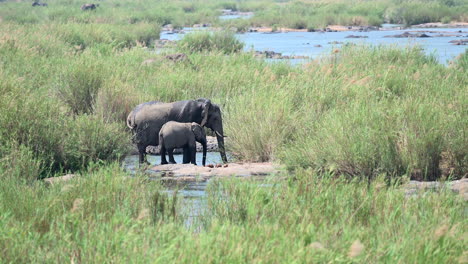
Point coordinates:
[(163, 43), (335, 42), (39, 4), (459, 187), (77, 204), (408, 35), (276, 55), (356, 36), (459, 42), (183, 172), (148, 62), (356, 249), (318, 46), (177, 57), (55, 180), (89, 7)]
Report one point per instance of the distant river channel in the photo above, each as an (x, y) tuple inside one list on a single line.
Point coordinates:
[(314, 44)]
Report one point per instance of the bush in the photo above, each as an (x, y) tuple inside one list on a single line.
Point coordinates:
[(222, 41), (114, 101), (89, 139), (19, 163), (79, 85)]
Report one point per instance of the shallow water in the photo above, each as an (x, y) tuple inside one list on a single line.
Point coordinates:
[(130, 163), (303, 43)]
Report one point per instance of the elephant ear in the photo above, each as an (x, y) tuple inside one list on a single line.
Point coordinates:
[(197, 131), (205, 110)]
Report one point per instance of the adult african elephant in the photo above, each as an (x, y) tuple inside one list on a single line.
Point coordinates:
[(146, 121)]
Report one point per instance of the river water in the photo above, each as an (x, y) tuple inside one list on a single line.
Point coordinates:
[(306, 43)]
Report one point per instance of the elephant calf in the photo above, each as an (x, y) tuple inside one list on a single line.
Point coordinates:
[(181, 135)]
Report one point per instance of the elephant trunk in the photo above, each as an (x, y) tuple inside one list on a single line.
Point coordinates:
[(204, 153), (222, 150)]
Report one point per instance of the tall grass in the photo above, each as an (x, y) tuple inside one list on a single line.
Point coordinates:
[(222, 41), (308, 219), (295, 14)]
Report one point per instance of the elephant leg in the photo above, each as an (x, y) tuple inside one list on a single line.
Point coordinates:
[(193, 155), (170, 152), (142, 153), (186, 157), (163, 154)]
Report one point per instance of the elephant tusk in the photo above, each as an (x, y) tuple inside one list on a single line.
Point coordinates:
[(219, 134)]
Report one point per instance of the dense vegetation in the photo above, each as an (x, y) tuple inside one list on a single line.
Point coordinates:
[(306, 14), (68, 79), (106, 216)]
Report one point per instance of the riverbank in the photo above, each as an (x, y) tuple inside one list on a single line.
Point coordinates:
[(341, 28)]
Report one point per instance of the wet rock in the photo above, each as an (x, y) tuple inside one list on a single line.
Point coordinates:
[(335, 42), (356, 36), (61, 179), (459, 42), (183, 172), (408, 35), (318, 46), (442, 25), (368, 28)]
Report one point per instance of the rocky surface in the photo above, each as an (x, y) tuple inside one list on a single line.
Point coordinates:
[(61, 179), (164, 43), (409, 35), (190, 172), (459, 42), (442, 25), (230, 12), (276, 55), (356, 36), (414, 188)]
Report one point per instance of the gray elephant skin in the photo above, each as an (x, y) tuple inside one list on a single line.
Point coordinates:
[(146, 121), (181, 135)]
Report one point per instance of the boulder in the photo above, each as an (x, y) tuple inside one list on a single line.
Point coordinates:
[(459, 42), (356, 36), (89, 7), (408, 35), (61, 179)]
